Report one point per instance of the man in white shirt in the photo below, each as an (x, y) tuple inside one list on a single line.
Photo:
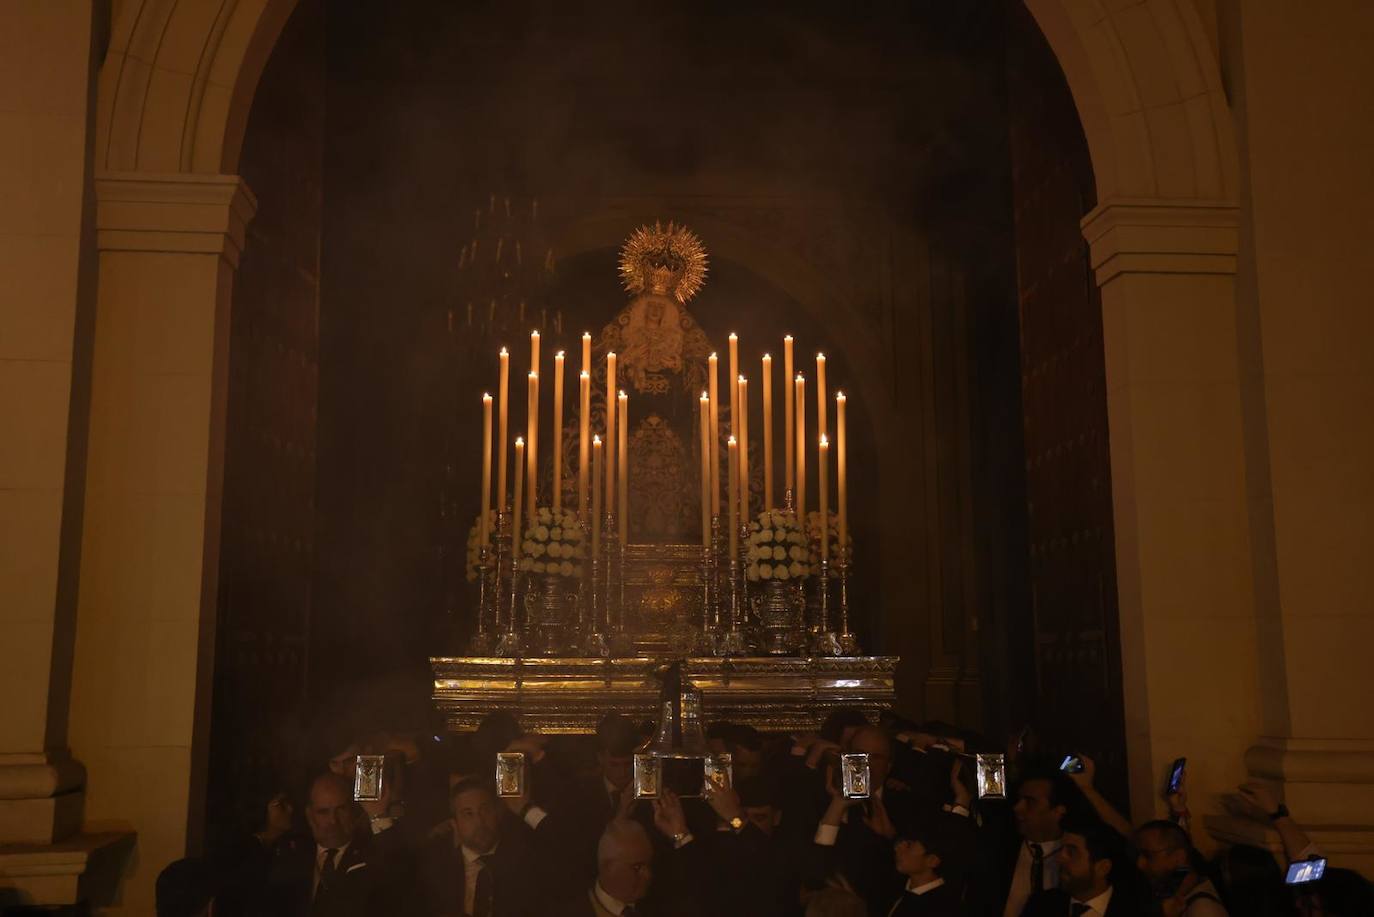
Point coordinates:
[(1040, 807), (1165, 856)]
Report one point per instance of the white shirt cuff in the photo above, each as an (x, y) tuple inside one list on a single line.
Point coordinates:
[(957, 810), (682, 840), (534, 815), (826, 835), (381, 824)]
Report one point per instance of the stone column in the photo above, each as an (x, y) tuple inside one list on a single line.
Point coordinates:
[(1191, 684), (144, 660)]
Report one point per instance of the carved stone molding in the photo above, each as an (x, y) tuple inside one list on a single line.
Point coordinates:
[(180, 213), (1149, 236)]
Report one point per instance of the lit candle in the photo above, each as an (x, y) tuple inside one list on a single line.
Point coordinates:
[(767, 432), (712, 371), (596, 496), (609, 495), (503, 391), (743, 399), (532, 445), (584, 444), (486, 470), (822, 426), (789, 413), (732, 449), (734, 392), (623, 466), (823, 474), (800, 397), (558, 431), (841, 472), (704, 447), (534, 351), (517, 537), (586, 351)]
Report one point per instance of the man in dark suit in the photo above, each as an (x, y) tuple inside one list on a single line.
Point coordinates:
[(580, 810), (491, 864), (624, 874), (346, 871), (855, 836), (1094, 875)]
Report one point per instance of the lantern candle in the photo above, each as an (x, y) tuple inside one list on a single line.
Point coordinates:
[(558, 431), (482, 525), (623, 467), (823, 474), (767, 432), (584, 445), (503, 392)]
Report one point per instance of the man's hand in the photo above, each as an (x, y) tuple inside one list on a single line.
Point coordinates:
[(278, 820), (1084, 778), (1178, 802), (962, 797), (1258, 799), (725, 803), (818, 750), (878, 820), (378, 808), (668, 816), (834, 813)]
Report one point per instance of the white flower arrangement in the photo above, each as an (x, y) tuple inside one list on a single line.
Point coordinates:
[(813, 535), (553, 543), (777, 549), (474, 537)]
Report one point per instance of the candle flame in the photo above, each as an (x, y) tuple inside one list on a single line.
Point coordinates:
[(705, 396), (504, 352), (741, 377), (839, 396), (787, 337), (486, 396), (596, 439), (800, 377), (585, 375), (712, 356), (586, 335), (623, 395), (535, 333), (520, 440), (611, 353), (733, 336), (558, 356), (731, 442), (820, 358), (534, 375), (825, 441), (768, 357)]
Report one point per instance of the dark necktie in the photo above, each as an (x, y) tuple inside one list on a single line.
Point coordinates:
[(1037, 868), (484, 895), (329, 869), (1078, 909)]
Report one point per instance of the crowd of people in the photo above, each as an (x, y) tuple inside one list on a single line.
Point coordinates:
[(782, 839)]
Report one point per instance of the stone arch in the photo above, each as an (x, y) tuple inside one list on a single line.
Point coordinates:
[(178, 83), (1148, 90)]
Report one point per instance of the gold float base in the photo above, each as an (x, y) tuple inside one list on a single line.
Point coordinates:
[(569, 695)]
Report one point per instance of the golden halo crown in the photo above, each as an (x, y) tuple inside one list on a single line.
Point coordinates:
[(663, 259)]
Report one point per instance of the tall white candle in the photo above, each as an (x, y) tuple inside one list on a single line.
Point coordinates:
[(822, 421), (743, 399), (482, 526), (767, 432), (503, 392), (532, 446), (789, 413), (623, 463), (842, 471), (713, 388), (730, 380), (609, 496), (800, 396), (823, 473), (732, 512), (596, 496), (517, 536), (584, 443), (558, 431), (704, 448)]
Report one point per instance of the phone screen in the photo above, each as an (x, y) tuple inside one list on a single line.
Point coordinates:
[(1305, 871), (1176, 775), (1071, 764)]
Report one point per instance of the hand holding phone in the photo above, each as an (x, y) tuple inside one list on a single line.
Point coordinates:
[(1072, 764), (1304, 871), (1177, 775)]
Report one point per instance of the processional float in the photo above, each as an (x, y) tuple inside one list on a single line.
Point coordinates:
[(570, 615)]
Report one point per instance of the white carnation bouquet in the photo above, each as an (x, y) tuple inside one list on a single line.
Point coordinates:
[(553, 543), (813, 535), (474, 537), (777, 549)]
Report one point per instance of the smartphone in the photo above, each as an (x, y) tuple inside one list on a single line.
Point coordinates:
[(368, 777), (1175, 776), (646, 774), (510, 774), (1072, 764), (992, 776), (720, 773), (1304, 871), (855, 778)]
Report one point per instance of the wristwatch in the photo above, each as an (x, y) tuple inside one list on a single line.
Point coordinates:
[(736, 823)]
